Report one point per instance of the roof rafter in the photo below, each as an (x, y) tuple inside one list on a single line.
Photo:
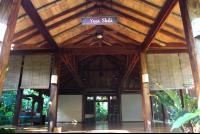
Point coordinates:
[(165, 12), (143, 23), (121, 35), (175, 29), (116, 40), (30, 29), (75, 37), (71, 68), (35, 17), (130, 68), (55, 25)]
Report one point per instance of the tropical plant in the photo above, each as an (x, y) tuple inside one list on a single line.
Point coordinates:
[(101, 112), (184, 117), (7, 105), (3, 130)]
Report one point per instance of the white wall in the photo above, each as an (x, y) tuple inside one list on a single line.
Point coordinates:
[(132, 107), (69, 108)]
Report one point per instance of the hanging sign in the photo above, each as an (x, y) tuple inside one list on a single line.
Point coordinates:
[(99, 19)]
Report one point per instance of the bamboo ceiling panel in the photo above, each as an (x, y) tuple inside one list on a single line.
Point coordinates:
[(23, 24), (36, 72), (35, 40), (21, 11), (11, 81), (166, 70), (138, 5), (128, 13)]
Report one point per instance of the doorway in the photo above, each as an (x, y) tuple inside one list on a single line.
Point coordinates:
[(101, 111)]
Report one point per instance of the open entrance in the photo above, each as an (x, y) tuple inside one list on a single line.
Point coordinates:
[(101, 111)]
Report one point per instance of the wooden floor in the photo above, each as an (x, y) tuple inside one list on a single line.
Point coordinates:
[(133, 127)]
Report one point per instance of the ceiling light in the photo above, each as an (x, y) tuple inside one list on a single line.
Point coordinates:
[(99, 36)]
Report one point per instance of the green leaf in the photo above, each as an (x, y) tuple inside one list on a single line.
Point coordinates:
[(164, 99), (9, 113), (175, 98), (2, 108), (180, 121), (10, 131), (7, 69), (185, 98), (2, 130), (192, 104), (183, 119)]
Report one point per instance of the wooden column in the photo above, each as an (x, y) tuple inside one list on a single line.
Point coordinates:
[(146, 102), (190, 11), (83, 106), (119, 105), (40, 104), (18, 103), (54, 91), (165, 114), (8, 15)]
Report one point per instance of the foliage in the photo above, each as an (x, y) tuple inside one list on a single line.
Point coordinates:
[(101, 112), (185, 118), (7, 105), (2, 130)]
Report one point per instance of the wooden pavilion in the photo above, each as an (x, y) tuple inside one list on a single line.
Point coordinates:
[(46, 48)]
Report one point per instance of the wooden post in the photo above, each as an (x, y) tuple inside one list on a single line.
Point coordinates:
[(18, 103), (83, 106), (40, 104), (146, 102), (189, 12), (8, 15), (54, 91), (120, 105)]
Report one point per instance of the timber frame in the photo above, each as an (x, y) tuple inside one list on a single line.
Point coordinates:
[(49, 28)]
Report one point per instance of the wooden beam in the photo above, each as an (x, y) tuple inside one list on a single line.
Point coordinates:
[(193, 46), (130, 68), (54, 25), (168, 46), (54, 91), (31, 52), (47, 21), (116, 40), (153, 51), (101, 50), (145, 2), (128, 89), (94, 58), (175, 29), (113, 62), (71, 68), (11, 20), (121, 35), (98, 89), (83, 40), (165, 12), (35, 17), (145, 24), (76, 37)]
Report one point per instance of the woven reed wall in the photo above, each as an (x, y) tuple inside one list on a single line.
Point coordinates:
[(12, 75), (36, 72), (170, 70)]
